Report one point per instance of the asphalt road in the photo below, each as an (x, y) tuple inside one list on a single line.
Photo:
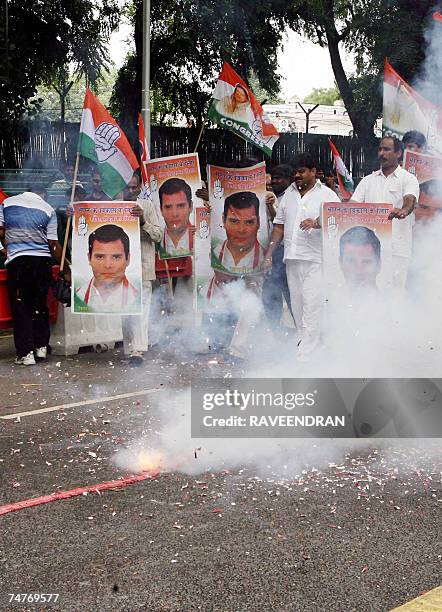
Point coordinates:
[(361, 532)]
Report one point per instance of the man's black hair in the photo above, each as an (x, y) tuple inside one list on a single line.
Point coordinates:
[(360, 236), (175, 185), (304, 160), (39, 189), (109, 233), (283, 170), (414, 136), (241, 200), (397, 144)]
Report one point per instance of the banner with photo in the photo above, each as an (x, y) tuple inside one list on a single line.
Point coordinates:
[(171, 183), (234, 107), (106, 259), (240, 232), (202, 268), (428, 171), (356, 248), (404, 109)]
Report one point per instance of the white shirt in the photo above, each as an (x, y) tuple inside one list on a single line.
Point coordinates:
[(303, 244), (391, 189)]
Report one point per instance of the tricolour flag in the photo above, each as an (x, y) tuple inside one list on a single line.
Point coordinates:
[(345, 179), (405, 110), (144, 148), (104, 142), (235, 108)]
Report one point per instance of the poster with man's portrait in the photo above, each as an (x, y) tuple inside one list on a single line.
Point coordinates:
[(106, 259), (239, 225), (356, 248), (428, 171), (171, 185)]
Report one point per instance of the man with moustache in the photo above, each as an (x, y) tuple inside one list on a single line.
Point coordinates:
[(393, 185), (297, 223)]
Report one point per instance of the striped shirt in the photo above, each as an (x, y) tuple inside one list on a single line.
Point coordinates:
[(29, 223)]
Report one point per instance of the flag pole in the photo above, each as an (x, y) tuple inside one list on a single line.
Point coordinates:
[(145, 92), (68, 224), (200, 134)]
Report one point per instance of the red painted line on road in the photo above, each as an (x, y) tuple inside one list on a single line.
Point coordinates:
[(103, 486)]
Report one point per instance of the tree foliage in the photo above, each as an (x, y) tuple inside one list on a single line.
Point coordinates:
[(189, 41), (323, 95), (371, 30), (45, 36)]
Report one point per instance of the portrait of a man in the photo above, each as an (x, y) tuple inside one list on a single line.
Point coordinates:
[(360, 257), (240, 252), (175, 197), (109, 289)]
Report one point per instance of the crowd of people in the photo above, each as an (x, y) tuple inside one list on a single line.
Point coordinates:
[(291, 266)]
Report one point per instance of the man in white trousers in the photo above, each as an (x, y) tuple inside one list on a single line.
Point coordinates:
[(135, 327), (393, 185), (297, 222)]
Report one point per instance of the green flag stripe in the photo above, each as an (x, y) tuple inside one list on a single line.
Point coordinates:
[(239, 128), (113, 182)]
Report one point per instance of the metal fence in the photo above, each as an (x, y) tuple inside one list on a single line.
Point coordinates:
[(39, 145)]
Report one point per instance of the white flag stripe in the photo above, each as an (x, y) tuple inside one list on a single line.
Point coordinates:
[(119, 161)]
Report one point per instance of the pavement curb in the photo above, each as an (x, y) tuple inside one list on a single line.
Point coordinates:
[(430, 602)]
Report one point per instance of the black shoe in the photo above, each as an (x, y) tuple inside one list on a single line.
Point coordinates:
[(136, 360)]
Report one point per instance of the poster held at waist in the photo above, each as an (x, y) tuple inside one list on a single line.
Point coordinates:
[(356, 249), (106, 259)]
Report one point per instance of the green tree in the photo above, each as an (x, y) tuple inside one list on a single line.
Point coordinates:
[(189, 41), (50, 102), (372, 30), (323, 95), (45, 36)]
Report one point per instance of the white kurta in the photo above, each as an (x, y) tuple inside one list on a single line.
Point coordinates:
[(378, 188)]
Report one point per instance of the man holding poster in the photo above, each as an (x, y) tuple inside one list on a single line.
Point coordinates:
[(393, 185), (239, 236)]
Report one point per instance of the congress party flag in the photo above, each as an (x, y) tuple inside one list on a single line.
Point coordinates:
[(345, 179), (235, 108), (144, 148), (104, 142), (405, 109)]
